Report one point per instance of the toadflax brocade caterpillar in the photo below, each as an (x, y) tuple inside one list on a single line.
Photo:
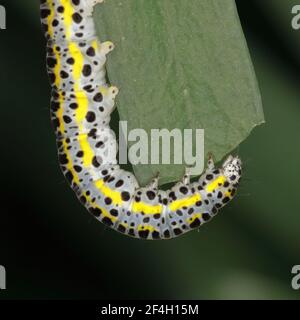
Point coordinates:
[(81, 104)]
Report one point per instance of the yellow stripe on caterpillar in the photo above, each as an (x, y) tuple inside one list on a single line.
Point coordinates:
[(50, 17), (114, 195), (60, 113), (146, 208), (78, 60), (194, 217), (68, 12), (95, 45), (88, 152), (143, 227), (185, 202), (70, 164), (215, 184), (83, 103), (57, 68), (228, 194), (104, 213)]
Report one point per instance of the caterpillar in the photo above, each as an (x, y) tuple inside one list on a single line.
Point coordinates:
[(81, 105)]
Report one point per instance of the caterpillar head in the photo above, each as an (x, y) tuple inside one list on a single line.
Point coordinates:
[(232, 169)]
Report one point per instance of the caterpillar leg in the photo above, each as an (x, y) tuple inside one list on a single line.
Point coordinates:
[(104, 100), (90, 4), (210, 162), (106, 47), (113, 91), (96, 1), (154, 182), (186, 178)]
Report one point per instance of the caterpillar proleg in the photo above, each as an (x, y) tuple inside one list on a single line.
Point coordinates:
[(81, 104)]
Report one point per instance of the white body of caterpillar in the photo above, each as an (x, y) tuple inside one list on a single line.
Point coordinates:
[(81, 105)]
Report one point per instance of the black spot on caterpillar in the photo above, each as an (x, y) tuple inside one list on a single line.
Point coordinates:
[(81, 105)]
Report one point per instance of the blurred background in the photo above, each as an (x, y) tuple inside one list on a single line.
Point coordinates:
[(52, 248)]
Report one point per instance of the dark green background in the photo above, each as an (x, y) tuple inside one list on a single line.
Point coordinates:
[(52, 248)]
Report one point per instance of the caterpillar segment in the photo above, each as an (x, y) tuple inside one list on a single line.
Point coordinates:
[(81, 105)]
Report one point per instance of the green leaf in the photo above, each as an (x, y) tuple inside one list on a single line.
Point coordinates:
[(181, 64)]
